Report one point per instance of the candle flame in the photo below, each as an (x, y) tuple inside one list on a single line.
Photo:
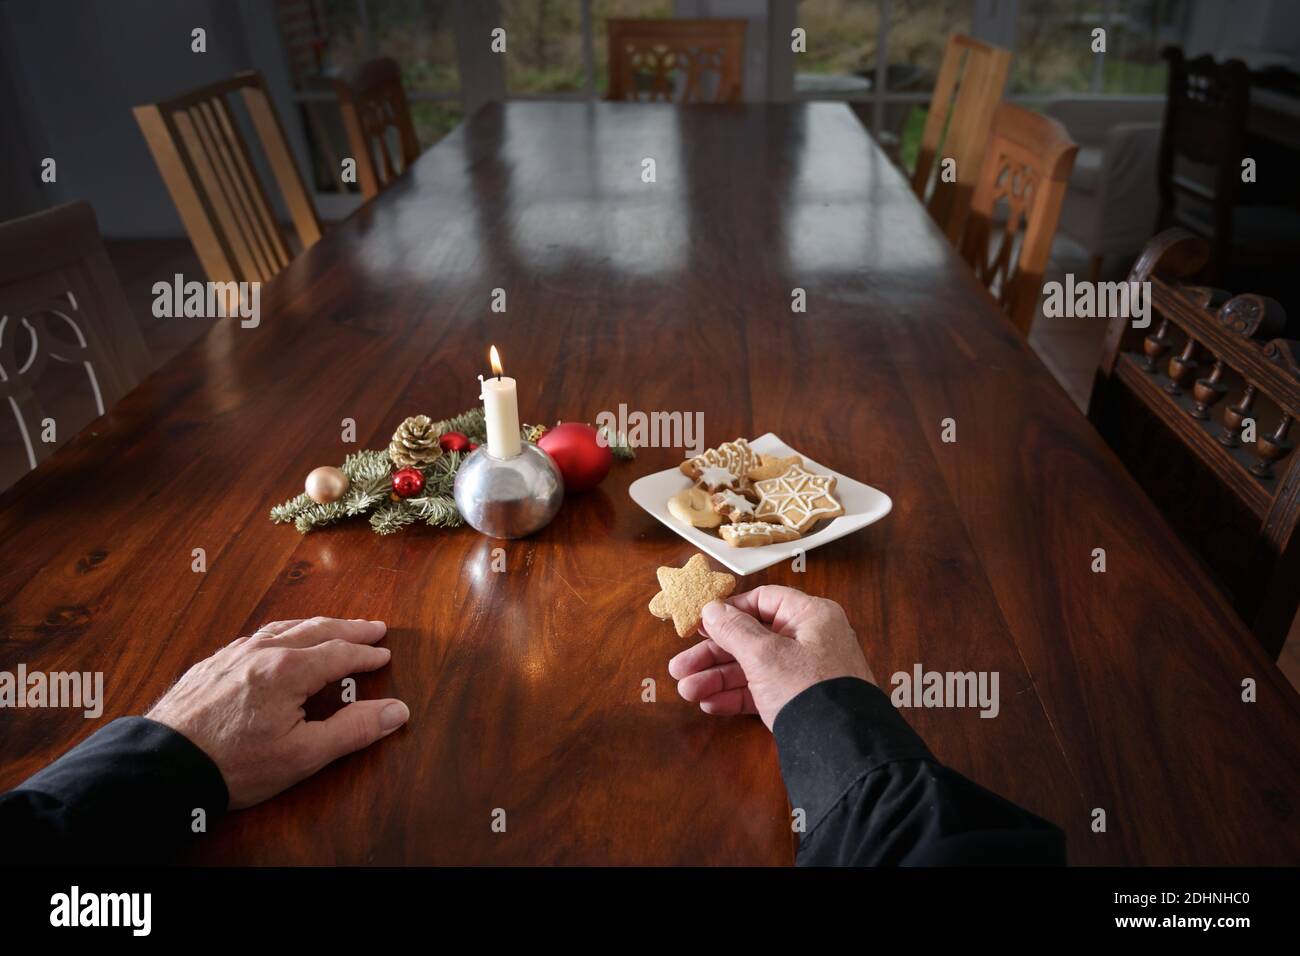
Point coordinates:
[(496, 362)]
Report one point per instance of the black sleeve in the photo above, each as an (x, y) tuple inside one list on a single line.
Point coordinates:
[(873, 795), (127, 794)]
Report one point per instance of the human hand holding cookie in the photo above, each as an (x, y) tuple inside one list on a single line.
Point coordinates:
[(763, 648), (685, 592)]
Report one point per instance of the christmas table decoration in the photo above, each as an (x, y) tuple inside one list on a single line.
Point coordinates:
[(416, 443), (580, 454), (372, 487), (509, 488), (325, 484), (416, 478)]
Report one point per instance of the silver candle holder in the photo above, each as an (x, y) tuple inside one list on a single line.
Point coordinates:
[(509, 497)]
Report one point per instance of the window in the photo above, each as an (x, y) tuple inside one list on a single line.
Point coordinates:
[(843, 37), (1133, 63), (544, 46), (420, 36), (1054, 45), (324, 39), (883, 56)]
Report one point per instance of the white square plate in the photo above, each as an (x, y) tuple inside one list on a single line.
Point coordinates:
[(863, 505)]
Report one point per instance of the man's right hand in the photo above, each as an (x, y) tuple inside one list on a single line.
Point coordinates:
[(243, 706), (763, 648)]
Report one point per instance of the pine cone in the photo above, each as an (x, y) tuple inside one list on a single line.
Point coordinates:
[(534, 432), (415, 443)]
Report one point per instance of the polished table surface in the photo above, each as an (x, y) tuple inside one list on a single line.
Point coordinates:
[(1120, 691)]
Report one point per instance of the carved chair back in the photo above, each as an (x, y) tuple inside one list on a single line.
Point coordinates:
[(374, 106), (1225, 479), (60, 302), (1017, 203), (691, 61)]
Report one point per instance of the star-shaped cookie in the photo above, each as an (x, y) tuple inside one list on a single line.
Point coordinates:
[(797, 498), (685, 592)]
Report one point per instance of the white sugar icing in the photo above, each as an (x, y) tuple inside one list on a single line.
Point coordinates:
[(738, 502), (715, 476), (793, 497)]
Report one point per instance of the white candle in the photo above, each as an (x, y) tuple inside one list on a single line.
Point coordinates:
[(501, 412)]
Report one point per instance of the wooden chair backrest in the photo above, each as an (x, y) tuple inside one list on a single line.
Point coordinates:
[(1234, 496), (966, 95), (1026, 167), (60, 300), (1205, 123), (372, 103), (652, 59), (205, 162)]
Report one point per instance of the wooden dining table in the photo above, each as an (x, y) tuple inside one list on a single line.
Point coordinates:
[(1121, 715)]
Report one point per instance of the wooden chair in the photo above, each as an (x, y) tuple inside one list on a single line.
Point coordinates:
[(373, 103), (957, 127), (1026, 170), (660, 59), (60, 300), (1202, 146), (209, 172), (1235, 500)]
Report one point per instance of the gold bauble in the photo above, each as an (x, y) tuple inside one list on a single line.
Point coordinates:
[(326, 484)]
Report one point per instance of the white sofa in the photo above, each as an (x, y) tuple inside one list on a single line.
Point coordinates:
[(1111, 204)]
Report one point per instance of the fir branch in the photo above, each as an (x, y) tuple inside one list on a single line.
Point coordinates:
[(472, 424), (367, 465), (438, 511), (618, 443), (365, 493), (317, 516), (287, 511), (391, 517), (440, 476)]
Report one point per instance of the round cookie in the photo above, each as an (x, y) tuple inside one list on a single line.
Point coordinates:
[(694, 507)]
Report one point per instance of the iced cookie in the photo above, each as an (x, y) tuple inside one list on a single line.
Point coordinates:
[(752, 534), (769, 466), (734, 507), (723, 467), (685, 592), (797, 498), (693, 507)]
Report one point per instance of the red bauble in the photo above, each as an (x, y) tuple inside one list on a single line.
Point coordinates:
[(473, 445), (582, 460), (408, 482), (453, 441)]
